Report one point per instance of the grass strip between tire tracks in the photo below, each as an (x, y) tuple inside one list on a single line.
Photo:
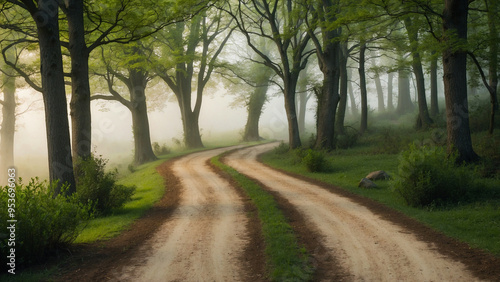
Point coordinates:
[(286, 260)]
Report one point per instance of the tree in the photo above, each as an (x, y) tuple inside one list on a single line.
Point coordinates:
[(362, 86), (45, 14), (424, 119), (434, 86), (182, 43), (390, 78), (130, 68), (455, 79), (8, 126), (280, 22)]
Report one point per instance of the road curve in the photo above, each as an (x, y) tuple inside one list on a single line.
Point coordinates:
[(368, 247), (205, 238)]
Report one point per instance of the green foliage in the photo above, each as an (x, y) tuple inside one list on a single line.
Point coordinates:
[(348, 139), (281, 149), (315, 161), (428, 176), (45, 221), (99, 187), (160, 150)]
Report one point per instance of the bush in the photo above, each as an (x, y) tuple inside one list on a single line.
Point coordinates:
[(428, 176), (99, 187), (282, 148), (348, 139), (160, 150), (315, 161), (44, 221)]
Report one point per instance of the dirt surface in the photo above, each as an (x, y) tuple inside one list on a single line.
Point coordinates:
[(367, 246), (205, 237)]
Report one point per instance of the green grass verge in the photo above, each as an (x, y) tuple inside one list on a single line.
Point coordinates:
[(477, 223), (286, 260)]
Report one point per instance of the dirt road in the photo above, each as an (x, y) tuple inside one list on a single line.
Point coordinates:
[(204, 238), (368, 247)]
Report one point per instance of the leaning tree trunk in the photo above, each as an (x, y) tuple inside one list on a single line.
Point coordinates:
[(341, 112), (455, 81), (80, 96), (434, 87), (390, 105), (54, 96), (143, 152), (255, 105), (8, 126), (362, 85)]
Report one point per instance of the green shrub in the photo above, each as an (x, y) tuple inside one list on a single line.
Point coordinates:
[(160, 149), (44, 221), (99, 187), (348, 139), (315, 161), (282, 148), (428, 176)]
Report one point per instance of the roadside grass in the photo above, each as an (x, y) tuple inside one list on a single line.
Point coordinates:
[(476, 223), (286, 260)]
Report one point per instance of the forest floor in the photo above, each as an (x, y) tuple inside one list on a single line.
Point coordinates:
[(201, 230)]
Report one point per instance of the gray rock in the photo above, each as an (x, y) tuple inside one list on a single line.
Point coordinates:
[(378, 175), (367, 183)]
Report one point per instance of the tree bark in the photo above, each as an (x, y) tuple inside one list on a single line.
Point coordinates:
[(380, 91), (405, 105), (254, 108), (352, 100), (54, 95), (424, 120), (493, 61), (390, 104), (80, 87), (455, 80), (8, 126), (434, 87), (362, 85), (339, 127)]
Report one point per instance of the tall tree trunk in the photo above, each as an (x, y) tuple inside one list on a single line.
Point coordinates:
[(434, 87), (424, 120), (362, 85), (80, 95), (405, 105), (8, 126), (493, 61), (143, 151), (302, 102), (380, 91), (54, 95), (455, 80), (390, 104), (254, 108), (291, 111), (339, 127), (352, 100)]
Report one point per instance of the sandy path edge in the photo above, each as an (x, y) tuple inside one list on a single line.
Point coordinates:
[(396, 248)]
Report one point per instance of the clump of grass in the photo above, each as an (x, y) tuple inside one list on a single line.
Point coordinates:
[(287, 260)]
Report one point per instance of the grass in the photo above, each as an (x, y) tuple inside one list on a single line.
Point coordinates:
[(476, 223), (286, 260)]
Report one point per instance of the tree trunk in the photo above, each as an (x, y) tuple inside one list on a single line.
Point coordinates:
[(343, 91), (352, 100), (291, 111), (455, 80), (54, 96), (434, 87), (380, 92), (493, 61), (424, 120), (143, 151), (302, 98), (362, 85), (8, 126), (390, 104), (80, 95), (254, 108), (405, 105)]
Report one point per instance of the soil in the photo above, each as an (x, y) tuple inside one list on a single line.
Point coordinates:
[(204, 228)]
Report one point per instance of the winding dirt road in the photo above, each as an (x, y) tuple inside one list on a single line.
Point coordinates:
[(368, 247), (206, 235)]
